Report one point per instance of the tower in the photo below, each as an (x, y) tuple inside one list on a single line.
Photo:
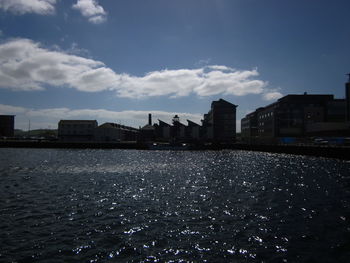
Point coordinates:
[(150, 119), (347, 91), (7, 124), (223, 118)]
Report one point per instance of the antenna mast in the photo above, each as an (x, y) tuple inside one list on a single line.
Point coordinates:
[(29, 128)]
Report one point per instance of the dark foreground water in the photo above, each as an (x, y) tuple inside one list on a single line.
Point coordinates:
[(141, 206)]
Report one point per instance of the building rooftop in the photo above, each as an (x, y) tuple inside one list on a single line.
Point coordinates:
[(222, 102), (191, 123), (78, 120), (163, 123), (148, 127)]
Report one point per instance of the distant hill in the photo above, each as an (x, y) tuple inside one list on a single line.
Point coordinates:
[(36, 133)]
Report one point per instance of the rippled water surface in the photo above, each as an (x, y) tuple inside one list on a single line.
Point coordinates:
[(159, 206)]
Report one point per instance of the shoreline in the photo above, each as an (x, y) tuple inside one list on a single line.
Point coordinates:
[(338, 152)]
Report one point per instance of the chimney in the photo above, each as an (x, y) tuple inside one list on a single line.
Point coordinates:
[(150, 119)]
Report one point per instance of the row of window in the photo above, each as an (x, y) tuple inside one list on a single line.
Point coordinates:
[(266, 115)]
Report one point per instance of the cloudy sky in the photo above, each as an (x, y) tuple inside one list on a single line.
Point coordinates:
[(117, 61)]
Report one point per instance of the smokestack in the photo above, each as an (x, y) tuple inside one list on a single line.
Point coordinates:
[(150, 119)]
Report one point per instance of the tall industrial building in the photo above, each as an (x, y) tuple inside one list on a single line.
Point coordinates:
[(220, 122), (7, 125)]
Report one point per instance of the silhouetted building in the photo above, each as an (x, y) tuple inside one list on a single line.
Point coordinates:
[(249, 126), (192, 131), (162, 131), (336, 110), (289, 116), (207, 130), (148, 132), (108, 132), (7, 125), (178, 130), (334, 123), (76, 130), (113, 132), (296, 116), (219, 123)]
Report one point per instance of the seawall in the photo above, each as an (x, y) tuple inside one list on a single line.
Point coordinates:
[(339, 152)]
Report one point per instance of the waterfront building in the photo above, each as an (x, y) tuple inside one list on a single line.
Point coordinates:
[(113, 132), (336, 110), (207, 133), (289, 116), (108, 132), (328, 129), (334, 123), (249, 126), (296, 116), (178, 130), (147, 132), (165, 132), (193, 131), (219, 123), (162, 131), (7, 125), (76, 130)]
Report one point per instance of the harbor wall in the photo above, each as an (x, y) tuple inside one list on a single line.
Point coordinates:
[(340, 152)]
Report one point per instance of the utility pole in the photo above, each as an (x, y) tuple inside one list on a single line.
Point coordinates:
[(29, 128)]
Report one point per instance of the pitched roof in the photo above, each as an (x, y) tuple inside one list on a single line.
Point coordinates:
[(222, 102), (148, 127)]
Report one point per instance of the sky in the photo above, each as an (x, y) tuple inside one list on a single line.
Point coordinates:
[(117, 61)]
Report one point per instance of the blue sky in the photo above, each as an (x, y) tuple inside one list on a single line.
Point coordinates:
[(116, 60)]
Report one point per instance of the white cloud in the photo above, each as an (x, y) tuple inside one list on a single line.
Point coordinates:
[(11, 110), (204, 81), (42, 118), (220, 67), (25, 65), (272, 95), (92, 10), (42, 7)]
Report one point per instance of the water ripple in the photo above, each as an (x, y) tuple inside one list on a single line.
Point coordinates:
[(141, 206)]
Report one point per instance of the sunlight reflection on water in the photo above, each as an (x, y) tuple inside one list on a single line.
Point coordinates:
[(141, 206)]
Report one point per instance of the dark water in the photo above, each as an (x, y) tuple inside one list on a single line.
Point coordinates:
[(140, 206)]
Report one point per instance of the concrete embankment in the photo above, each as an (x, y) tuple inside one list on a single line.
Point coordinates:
[(72, 145), (338, 152)]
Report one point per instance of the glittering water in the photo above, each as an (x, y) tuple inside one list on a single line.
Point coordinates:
[(142, 206)]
